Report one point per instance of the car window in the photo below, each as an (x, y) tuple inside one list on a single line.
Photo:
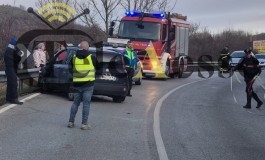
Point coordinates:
[(238, 54), (260, 56), (70, 53)]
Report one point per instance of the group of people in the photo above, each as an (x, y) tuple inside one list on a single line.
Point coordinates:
[(83, 64), (250, 66), (84, 68)]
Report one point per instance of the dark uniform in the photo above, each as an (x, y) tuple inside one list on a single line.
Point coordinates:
[(251, 70), (11, 59), (224, 56)]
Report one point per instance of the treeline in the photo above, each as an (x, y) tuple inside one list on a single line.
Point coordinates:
[(203, 42), (15, 21)]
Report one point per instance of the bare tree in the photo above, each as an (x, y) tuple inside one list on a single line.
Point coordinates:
[(106, 10), (149, 5)]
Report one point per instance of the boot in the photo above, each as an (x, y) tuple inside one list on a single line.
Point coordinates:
[(255, 96), (129, 94), (248, 105), (15, 101)]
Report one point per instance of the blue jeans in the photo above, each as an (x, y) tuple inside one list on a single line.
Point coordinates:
[(84, 93)]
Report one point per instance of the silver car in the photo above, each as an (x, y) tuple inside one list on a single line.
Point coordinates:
[(261, 58), (235, 58)]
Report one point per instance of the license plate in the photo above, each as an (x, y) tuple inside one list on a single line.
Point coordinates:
[(108, 78)]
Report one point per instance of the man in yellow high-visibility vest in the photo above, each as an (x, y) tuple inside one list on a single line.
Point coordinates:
[(83, 82)]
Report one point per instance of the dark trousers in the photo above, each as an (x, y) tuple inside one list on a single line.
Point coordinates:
[(11, 89), (130, 72), (250, 92)]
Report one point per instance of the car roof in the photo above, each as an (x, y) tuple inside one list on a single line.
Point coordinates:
[(93, 49)]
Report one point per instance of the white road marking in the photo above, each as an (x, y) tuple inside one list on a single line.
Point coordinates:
[(237, 78), (234, 98), (14, 105), (231, 83), (157, 133)]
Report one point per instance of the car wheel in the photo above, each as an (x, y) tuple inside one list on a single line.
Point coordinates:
[(139, 81), (70, 94), (118, 99)]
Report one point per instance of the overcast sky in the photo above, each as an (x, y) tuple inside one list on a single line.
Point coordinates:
[(215, 15)]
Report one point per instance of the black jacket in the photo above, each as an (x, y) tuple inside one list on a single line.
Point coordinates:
[(249, 72), (82, 54), (11, 58)]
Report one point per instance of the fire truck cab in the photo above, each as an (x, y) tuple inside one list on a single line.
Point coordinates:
[(163, 33)]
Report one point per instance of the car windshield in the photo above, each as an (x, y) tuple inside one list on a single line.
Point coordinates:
[(149, 30), (238, 54), (260, 56)]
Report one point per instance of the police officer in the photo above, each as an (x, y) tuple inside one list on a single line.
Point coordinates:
[(12, 60), (83, 82), (131, 62), (249, 64)]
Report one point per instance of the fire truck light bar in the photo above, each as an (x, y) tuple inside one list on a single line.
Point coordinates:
[(137, 14)]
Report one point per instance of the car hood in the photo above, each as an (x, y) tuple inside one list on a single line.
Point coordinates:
[(261, 60)]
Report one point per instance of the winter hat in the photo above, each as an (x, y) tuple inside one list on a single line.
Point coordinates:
[(13, 41)]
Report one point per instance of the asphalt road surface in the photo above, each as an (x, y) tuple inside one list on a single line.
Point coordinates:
[(201, 119)]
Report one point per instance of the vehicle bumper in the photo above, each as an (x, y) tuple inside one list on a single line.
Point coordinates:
[(110, 89)]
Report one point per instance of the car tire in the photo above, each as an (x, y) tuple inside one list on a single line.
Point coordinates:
[(119, 99), (70, 94), (139, 81)]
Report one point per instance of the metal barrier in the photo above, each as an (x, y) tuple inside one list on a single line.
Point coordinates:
[(23, 76)]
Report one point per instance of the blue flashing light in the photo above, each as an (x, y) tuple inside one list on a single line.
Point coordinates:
[(137, 13), (132, 13)]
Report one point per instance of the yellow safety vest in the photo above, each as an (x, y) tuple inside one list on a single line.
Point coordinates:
[(83, 69)]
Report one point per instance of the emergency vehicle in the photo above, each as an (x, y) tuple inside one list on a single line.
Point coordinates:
[(160, 39)]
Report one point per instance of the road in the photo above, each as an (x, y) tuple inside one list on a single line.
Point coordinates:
[(202, 119)]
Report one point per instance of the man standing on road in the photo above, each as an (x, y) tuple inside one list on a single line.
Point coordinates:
[(12, 60), (83, 83), (251, 72), (131, 62)]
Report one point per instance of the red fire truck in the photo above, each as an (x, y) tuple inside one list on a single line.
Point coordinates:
[(166, 33)]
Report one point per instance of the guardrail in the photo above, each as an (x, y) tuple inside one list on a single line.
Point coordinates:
[(25, 82)]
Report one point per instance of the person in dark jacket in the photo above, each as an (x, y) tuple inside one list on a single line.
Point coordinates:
[(83, 82), (225, 58), (130, 59), (251, 70), (12, 60)]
